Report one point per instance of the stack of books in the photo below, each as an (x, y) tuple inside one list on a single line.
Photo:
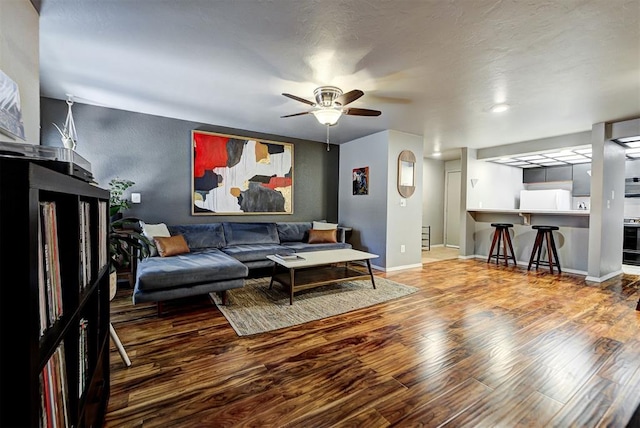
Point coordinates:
[(289, 257)]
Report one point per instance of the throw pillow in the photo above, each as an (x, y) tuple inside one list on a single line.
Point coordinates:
[(153, 230), (171, 246), (321, 225), (319, 236)]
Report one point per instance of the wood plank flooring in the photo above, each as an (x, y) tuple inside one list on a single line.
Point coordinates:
[(478, 345)]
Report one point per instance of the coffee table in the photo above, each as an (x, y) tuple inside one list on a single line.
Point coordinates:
[(316, 268)]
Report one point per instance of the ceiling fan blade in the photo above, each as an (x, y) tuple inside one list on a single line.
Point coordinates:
[(361, 112), (296, 114), (302, 100), (349, 97)]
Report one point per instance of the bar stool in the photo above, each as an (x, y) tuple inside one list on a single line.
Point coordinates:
[(501, 234), (552, 252)]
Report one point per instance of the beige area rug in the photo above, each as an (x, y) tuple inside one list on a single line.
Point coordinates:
[(256, 309)]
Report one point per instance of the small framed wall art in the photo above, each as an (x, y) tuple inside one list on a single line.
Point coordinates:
[(361, 181), (232, 174)]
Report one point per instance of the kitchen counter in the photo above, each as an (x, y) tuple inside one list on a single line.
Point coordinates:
[(529, 211), (526, 214), (572, 238)]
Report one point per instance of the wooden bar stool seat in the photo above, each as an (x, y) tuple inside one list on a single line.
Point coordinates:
[(501, 236), (545, 233)]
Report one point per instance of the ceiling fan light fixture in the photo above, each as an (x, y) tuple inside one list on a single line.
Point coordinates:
[(327, 116)]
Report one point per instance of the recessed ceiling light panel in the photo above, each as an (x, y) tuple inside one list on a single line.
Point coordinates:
[(552, 163), (499, 108), (628, 139), (530, 158), (583, 160)]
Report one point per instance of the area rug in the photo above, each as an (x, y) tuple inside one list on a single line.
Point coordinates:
[(255, 309)]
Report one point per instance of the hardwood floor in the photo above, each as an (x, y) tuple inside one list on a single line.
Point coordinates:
[(435, 254), (479, 345)]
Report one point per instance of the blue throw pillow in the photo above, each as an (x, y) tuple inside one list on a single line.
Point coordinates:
[(208, 235), (250, 233), (294, 231)]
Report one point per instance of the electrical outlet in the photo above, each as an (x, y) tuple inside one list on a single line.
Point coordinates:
[(402, 248)]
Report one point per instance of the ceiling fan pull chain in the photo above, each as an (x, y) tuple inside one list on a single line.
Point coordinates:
[(327, 137)]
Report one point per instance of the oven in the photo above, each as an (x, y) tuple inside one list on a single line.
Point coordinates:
[(631, 242)]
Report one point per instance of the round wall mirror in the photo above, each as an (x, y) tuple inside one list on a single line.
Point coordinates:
[(406, 173)]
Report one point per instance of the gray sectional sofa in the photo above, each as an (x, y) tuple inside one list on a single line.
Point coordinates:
[(220, 257)]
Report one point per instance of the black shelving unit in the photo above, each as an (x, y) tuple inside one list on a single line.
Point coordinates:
[(426, 238), (75, 346)]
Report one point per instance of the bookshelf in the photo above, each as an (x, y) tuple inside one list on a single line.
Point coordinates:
[(54, 298)]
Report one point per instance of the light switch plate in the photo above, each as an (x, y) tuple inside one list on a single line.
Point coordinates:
[(135, 198)]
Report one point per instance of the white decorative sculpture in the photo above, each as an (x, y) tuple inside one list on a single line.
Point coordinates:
[(68, 134)]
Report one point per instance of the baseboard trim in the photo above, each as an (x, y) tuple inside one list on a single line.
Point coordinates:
[(604, 278), (433, 246), (395, 268)]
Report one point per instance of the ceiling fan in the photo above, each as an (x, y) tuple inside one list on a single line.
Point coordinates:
[(331, 104)]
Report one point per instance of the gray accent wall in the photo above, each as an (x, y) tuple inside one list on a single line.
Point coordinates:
[(367, 214), (155, 153)]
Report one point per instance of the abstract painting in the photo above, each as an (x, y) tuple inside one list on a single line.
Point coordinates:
[(240, 175), (11, 123), (361, 181)]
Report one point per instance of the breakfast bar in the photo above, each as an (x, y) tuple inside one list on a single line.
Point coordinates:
[(572, 238)]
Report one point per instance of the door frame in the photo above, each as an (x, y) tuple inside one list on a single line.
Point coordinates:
[(446, 206)]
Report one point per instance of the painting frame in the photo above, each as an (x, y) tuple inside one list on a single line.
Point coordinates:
[(240, 175), (360, 177), (11, 120)]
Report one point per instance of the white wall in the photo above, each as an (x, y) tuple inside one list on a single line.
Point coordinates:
[(433, 198), (380, 224), (19, 59), (497, 186)]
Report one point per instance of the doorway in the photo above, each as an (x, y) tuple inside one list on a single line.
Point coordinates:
[(452, 209)]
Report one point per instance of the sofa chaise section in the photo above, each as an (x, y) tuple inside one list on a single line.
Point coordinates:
[(195, 273)]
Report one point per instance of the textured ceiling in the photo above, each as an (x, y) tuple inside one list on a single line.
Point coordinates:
[(433, 67)]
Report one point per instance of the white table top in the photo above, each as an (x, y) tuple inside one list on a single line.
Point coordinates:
[(530, 211), (326, 257)]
